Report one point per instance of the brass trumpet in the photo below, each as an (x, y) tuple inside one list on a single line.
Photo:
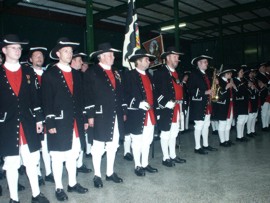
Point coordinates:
[(214, 87)]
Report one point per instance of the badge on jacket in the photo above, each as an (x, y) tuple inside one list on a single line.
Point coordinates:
[(117, 76), (28, 79)]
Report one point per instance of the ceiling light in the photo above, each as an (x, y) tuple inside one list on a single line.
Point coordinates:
[(170, 27)]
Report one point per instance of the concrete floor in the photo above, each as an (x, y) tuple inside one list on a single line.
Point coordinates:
[(240, 173)]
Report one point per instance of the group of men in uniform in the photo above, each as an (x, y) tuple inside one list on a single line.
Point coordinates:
[(53, 110)]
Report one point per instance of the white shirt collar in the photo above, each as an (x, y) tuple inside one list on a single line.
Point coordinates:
[(141, 71), (38, 72), (13, 67), (202, 71), (65, 68), (225, 79), (171, 69), (106, 67)]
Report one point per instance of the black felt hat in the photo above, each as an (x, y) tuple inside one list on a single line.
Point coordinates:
[(198, 58), (62, 42), (140, 53), (103, 48), (12, 39), (170, 50), (76, 53), (227, 69)]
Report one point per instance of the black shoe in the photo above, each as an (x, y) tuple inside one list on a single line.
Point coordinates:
[(209, 148), (265, 129), (224, 144), (41, 181), (88, 156), (84, 169), (178, 160), (114, 177), (128, 157), (40, 199), (0, 190), (13, 201), (61, 195), (49, 178), (230, 142), (200, 151), (97, 182), (168, 163), (139, 171), (150, 169), (254, 134), (244, 139), (20, 187), (77, 188), (239, 139), (250, 135)]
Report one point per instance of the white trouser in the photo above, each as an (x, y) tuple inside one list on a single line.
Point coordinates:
[(265, 114), (79, 162), (70, 157), (46, 157), (187, 119), (240, 125), (99, 148), (251, 122), (224, 128), (202, 129), (13, 163), (214, 125), (141, 144), (168, 140), (127, 144), (88, 145)]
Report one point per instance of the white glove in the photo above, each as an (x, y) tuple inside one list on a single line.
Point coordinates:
[(170, 105), (144, 106)]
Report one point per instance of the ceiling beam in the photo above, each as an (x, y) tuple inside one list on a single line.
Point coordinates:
[(121, 9), (226, 25), (211, 14)]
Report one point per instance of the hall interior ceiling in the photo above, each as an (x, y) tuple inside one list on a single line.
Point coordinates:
[(203, 18)]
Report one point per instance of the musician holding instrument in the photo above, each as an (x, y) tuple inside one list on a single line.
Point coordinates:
[(200, 103), (241, 102), (225, 105), (253, 103)]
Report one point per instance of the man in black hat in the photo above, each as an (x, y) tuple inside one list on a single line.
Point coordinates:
[(200, 104), (253, 101), (76, 65), (170, 98), (105, 110), (141, 117), (62, 98), (241, 104), (225, 105), (264, 102), (36, 58), (20, 120)]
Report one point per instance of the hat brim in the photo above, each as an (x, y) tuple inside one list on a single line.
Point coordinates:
[(227, 71), (165, 54), (53, 54), (134, 57), (96, 53), (79, 55), (6, 43), (196, 59)]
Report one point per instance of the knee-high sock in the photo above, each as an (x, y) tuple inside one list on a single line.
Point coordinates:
[(46, 156), (164, 141), (110, 160), (80, 159), (71, 169), (57, 168), (172, 142), (127, 144), (136, 148)]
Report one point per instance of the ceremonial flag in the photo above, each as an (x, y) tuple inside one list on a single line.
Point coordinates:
[(155, 47), (132, 37)]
